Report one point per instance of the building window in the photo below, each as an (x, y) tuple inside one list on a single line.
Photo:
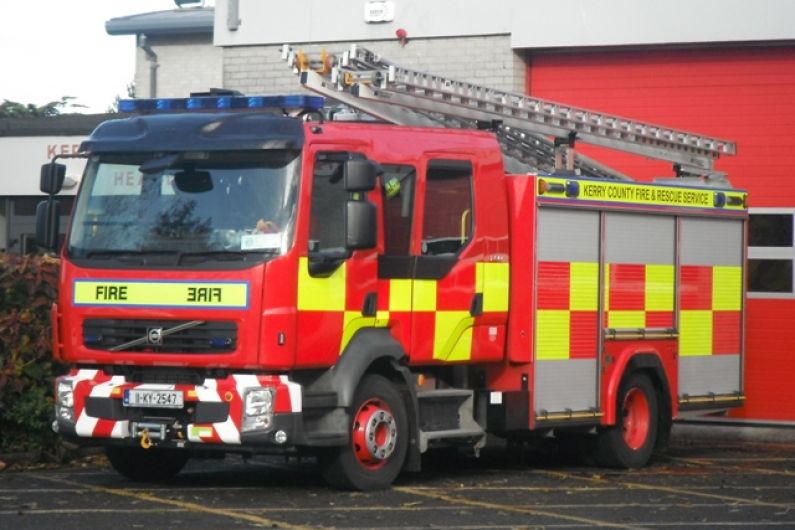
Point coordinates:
[(771, 253)]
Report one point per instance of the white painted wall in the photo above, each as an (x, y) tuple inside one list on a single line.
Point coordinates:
[(266, 22), (577, 23), (531, 23)]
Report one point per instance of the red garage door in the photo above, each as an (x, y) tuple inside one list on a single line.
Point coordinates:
[(743, 94)]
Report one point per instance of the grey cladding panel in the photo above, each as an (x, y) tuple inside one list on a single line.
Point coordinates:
[(633, 238), (711, 241), (709, 374), (568, 235), (565, 384)]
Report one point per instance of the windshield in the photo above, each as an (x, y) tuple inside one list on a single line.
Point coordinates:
[(207, 205)]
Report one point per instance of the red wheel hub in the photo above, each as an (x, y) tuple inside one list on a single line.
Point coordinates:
[(374, 434), (636, 419)]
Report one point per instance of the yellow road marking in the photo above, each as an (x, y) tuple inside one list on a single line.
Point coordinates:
[(669, 489), (760, 470), (189, 506), (421, 492)]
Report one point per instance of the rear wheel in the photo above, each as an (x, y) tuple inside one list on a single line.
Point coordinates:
[(630, 442), (152, 464), (378, 443)]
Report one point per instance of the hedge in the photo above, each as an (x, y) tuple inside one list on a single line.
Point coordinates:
[(28, 287)]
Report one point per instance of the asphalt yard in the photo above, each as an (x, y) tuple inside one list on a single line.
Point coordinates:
[(703, 481)]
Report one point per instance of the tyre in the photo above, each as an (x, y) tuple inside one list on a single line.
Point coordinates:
[(630, 442), (379, 438), (152, 464)]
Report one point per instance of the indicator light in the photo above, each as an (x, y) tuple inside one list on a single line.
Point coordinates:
[(735, 201)]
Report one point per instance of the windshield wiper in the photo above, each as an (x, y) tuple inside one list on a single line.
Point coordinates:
[(128, 255), (224, 255)]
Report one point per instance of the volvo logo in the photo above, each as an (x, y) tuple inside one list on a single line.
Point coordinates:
[(154, 336)]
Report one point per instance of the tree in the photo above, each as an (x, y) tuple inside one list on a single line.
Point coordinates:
[(130, 95), (13, 109)]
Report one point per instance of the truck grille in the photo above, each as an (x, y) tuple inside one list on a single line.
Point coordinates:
[(207, 337)]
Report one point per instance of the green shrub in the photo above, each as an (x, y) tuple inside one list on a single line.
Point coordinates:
[(28, 287)]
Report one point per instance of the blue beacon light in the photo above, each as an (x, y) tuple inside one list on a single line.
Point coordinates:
[(289, 102)]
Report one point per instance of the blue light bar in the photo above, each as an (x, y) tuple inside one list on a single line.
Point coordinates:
[(297, 102)]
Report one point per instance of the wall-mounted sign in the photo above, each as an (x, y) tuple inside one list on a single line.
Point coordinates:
[(376, 11)]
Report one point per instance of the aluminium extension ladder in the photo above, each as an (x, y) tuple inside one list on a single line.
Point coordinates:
[(367, 83)]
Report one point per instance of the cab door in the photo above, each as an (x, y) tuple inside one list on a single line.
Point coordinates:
[(455, 291), (337, 288)]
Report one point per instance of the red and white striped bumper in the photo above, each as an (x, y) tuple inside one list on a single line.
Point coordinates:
[(212, 412)]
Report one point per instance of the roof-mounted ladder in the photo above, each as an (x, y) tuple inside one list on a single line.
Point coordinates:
[(366, 82)]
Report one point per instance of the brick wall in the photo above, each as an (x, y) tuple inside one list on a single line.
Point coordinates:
[(486, 60), (186, 64)]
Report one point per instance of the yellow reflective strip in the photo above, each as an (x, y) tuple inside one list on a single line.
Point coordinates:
[(552, 334), (695, 333), (320, 294), (727, 288), (606, 288), (171, 294), (616, 192), (659, 288), (452, 339), (353, 321), (493, 280), (626, 319), (400, 295), (584, 286), (424, 295)]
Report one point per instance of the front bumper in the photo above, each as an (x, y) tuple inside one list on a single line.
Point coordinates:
[(211, 414)]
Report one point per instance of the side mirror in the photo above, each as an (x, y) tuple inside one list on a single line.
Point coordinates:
[(52, 177), (47, 220), (360, 175), (360, 225)]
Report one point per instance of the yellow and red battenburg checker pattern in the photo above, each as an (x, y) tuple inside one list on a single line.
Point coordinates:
[(639, 296), (710, 312), (568, 306), (439, 309)]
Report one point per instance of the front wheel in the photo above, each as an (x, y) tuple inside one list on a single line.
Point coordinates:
[(378, 443), (152, 464), (630, 442)]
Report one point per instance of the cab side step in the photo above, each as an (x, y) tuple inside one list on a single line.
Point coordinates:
[(447, 418)]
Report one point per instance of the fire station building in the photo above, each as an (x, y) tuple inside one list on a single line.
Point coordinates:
[(723, 68)]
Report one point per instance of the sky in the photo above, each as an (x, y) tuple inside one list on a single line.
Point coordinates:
[(51, 48)]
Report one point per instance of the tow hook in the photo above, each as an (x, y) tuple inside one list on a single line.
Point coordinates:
[(146, 443), (148, 433)]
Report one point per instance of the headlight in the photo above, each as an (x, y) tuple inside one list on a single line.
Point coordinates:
[(64, 400), (259, 402), (65, 394), (257, 409)]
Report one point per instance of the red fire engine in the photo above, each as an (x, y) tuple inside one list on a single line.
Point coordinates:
[(242, 280)]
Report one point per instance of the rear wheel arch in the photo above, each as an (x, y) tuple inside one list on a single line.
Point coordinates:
[(649, 363), (630, 442)]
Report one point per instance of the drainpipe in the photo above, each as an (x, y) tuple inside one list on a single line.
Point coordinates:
[(151, 56)]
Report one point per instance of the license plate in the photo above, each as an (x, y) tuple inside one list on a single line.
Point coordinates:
[(164, 399)]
